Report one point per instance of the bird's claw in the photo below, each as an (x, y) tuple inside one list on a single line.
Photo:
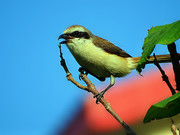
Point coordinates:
[(80, 76), (82, 71), (99, 96)]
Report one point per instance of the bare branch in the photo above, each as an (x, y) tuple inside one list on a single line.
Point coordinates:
[(68, 74), (175, 62), (178, 128), (106, 104), (164, 76), (173, 127), (166, 79)]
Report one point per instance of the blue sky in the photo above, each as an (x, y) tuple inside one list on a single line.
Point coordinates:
[(35, 97)]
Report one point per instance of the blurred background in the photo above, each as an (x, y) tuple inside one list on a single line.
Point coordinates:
[(35, 96)]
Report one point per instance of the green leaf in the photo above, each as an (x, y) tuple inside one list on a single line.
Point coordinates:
[(164, 34), (164, 109)]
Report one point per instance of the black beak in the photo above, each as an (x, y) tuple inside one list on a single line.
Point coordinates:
[(64, 36)]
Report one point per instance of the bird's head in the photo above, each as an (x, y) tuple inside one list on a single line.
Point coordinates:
[(76, 33)]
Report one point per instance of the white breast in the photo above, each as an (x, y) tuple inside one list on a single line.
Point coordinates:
[(99, 62)]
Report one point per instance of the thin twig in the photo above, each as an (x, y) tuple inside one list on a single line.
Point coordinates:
[(166, 79), (68, 74), (91, 88), (176, 68), (106, 104), (175, 62), (178, 128), (173, 127), (164, 76)]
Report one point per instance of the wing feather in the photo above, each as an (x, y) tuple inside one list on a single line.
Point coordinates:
[(109, 47)]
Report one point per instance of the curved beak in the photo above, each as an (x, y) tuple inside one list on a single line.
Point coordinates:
[(64, 36)]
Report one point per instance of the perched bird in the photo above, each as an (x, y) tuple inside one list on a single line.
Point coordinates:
[(99, 57)]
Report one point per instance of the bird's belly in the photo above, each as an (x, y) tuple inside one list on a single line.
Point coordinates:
[(101, 63)]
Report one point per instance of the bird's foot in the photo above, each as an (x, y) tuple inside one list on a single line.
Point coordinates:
[(99, 96), (82, 71)]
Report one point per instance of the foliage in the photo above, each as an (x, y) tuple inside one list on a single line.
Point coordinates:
[(164, 34), (166, 108)]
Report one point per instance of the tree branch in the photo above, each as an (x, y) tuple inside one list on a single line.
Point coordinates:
[(173, 127), (91, 88), (164, 76), (175, 62), (68, 74), (176, 68), (166, 79)]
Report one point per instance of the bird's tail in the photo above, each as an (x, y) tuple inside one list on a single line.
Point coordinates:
[(160, 59), (133, 61)]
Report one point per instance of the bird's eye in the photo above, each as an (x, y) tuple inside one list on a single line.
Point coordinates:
[(76, 33)]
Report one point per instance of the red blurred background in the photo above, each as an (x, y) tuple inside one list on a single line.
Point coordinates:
[(131, 100)]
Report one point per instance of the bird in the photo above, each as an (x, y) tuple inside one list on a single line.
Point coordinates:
[(99, 57)]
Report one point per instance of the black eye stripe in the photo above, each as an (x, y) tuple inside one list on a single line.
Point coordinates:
[(80, 34)]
